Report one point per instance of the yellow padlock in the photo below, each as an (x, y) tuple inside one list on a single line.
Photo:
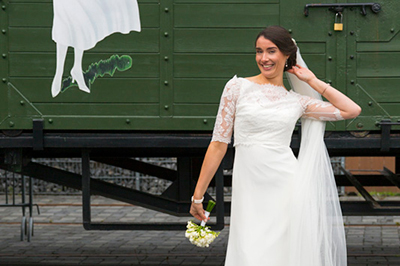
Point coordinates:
[(338, 26)]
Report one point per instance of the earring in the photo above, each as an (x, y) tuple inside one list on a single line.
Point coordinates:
[(286, 65)]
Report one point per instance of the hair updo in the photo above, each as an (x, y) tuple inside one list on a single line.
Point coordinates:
[(282, 39)]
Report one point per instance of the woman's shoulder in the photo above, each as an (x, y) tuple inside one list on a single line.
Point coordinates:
[(233, 86), (234, 82)]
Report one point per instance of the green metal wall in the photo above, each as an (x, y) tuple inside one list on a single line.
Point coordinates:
[(186, 52)]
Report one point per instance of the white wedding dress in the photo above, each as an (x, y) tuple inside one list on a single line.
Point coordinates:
[(263, 118), (83, 23)]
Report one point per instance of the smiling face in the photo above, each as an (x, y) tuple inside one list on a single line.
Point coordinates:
[(270, 60)]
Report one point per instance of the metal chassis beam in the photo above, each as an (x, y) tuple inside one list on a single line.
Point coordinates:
[(179, 144), (360, 208), (89, 225), (98, 187), (59, 144), (105, 189), (90, 186)]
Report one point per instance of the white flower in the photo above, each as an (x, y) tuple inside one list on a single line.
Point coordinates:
[(199, 235)]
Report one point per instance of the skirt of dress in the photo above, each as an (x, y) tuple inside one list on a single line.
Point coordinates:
[(81, 24), (260, 212)]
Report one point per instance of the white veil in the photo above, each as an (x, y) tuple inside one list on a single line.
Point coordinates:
[(317, 229)]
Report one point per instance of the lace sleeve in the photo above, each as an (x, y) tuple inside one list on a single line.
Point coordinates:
[(319, 110), (223, 127)]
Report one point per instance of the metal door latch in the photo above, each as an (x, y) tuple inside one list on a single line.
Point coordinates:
[(339, 7)]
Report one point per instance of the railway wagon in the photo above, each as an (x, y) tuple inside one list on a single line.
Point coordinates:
[(155, 93)]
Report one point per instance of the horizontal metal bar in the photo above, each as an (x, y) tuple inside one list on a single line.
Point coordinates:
[(338, 7), (362, 208), (155, 144), (355, 208), (144, 226), (389, 122), (15, 205), (373, 180)]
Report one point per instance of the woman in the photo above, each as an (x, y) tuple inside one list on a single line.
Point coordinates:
[(81, 24), (269, 218)]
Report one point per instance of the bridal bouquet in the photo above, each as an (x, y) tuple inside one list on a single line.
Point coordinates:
[(201, 235)]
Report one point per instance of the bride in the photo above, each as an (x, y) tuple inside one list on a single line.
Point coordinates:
[(285, 210)]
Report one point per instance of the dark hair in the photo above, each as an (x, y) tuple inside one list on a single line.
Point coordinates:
[(282, 39)]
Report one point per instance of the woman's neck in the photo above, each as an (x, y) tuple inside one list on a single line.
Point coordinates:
[(261, 79)]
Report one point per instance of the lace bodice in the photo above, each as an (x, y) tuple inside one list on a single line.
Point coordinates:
[(265, 114)]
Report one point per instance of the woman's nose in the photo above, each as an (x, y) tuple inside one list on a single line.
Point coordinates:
[(264, 57)]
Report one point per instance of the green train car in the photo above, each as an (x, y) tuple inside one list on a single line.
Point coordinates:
[(186, 52), (156, 92)]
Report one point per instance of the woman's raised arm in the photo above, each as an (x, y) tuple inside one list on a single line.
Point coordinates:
[(348, 109)]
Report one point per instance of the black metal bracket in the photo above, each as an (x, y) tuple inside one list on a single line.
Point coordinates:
[(14, 159), (339, 7), (386, 126), (392, 177), (364, 193), (38, 138)]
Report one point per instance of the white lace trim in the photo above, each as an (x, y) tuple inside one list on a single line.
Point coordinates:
[(225, 119), (319, 110)]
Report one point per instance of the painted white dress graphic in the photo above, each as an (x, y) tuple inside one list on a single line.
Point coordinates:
[(81, 24)]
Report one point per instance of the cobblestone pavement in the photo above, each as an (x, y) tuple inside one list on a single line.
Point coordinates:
[(61, 240)]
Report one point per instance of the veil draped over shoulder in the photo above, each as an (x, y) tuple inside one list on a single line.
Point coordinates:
[(317, 229)]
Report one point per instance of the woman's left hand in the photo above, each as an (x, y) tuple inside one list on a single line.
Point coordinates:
[(302, 73)]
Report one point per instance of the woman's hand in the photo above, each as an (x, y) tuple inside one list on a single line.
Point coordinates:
[(215, 152), (302, 73), (348, 108), (198, 212)]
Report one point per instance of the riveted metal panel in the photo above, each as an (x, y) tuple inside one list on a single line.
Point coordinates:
[(375, 44), (186, 52), (126, 95)]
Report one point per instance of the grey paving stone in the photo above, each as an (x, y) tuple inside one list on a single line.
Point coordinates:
[(65, 242)]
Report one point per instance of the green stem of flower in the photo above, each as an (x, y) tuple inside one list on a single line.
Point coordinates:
[(210, 205)]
